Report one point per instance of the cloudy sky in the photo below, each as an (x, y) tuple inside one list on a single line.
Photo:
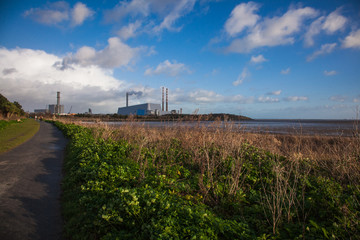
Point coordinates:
[(262, 59)]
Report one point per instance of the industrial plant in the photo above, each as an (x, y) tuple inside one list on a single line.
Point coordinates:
[(147, 108), (53, 108), (144, 109)]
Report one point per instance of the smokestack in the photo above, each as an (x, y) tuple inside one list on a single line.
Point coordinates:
[(162, 99), (167, 100), (127, 99), (58, 98), (57, 109)]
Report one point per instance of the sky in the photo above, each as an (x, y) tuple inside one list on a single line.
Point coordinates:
[(262, 59)]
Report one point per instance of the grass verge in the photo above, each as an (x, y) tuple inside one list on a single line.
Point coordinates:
[(13, 133)]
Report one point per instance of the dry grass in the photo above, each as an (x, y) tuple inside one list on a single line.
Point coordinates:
[(337, 156)]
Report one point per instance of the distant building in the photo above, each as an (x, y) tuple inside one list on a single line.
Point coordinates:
[(56, 109), (141, 109)]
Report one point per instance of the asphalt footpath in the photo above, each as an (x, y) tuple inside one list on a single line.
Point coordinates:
[(30, 177)]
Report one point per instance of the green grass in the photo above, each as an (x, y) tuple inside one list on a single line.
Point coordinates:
[(12, 133)]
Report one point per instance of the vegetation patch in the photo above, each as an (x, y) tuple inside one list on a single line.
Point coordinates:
[(14, 133), (9, 109), (130, 184)]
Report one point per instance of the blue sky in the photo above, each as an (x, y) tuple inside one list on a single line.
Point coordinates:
[(262, 59)]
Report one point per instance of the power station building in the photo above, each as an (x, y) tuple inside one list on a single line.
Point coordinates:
[(145, 108), (141, 109), (56, 108), (53, 108)]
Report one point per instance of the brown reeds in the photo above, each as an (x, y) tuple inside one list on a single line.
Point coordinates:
[(337, 156)]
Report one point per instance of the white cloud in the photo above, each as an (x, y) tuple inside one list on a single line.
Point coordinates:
[(242, 76), (129, 31), (181, 8), (273, 31), (171, 69), (267, 100), (166, 12), (285, 71), (330, 24), (258, 59), (352, 40), (58, 12), (330, 73), (241, 99), (90, 86), (80, 86), (334, 22), (276, 93), (133, 8), (325, 49), (202, 96), (116, 54), (51, 14), (151, 51), (314, 29), (205, 96), (241, 17), (80, 13), (296, 98)]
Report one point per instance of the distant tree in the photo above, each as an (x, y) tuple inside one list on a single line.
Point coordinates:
[(8, 109), (20, 109)]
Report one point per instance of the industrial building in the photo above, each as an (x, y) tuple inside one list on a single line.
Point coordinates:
[(53, 108), (141, 109), (56, 108), (146, 108)]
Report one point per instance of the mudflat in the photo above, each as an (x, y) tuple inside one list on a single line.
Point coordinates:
[(30, 177)]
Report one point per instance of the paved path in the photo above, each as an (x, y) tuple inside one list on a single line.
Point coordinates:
[(30, 176)]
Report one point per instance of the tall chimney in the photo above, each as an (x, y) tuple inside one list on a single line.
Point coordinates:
[(162, 99), (57, 108), (167, 100), (127, 99), (58, 98)]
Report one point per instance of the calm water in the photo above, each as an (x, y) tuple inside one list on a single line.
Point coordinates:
[(303, 127)]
